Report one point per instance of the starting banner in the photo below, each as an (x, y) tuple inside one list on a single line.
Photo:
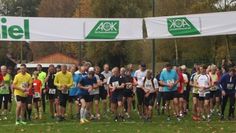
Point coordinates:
[(211, 24), (69, 29)]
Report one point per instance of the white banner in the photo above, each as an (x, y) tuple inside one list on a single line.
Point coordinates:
[(69, 29), (211, 24)]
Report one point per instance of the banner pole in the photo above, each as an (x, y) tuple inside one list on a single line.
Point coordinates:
[(153, 41)]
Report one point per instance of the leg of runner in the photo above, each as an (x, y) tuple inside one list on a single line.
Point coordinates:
[(207, 108), (231, 106), (223, 105), (129, 106)]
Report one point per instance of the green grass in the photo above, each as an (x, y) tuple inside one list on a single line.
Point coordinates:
[(135, 125)]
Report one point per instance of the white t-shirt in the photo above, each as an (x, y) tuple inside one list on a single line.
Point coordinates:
[(140, 75), (203, 80), (148, 84)]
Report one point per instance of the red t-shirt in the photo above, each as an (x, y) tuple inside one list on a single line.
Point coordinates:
[(181, 82), (37, 84), (1, 78)]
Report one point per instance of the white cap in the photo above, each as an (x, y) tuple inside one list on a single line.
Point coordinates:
[(91, 69)]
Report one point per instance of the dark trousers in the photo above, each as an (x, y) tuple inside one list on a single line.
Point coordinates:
[(231, 97), (6, 100), (43, 98)]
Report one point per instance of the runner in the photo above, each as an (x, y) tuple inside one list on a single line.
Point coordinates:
[(52, 92), (204, 85), (180, 91), (94, 98), (227, 84), (195, 94), (139, 75), (5, 92), (150, 87), (74, 92), (21, 84), (160, 100), (36, 90), (129, 92), (169, 79), (215, 91), (116, 85), (186, 87), (42, 77), (107, 74), (63, 81), (86, 85)]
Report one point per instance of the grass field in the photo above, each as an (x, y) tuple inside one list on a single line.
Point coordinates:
[(134, 125)]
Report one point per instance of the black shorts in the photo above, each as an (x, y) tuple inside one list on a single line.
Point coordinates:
[(62, 98), (86, 97), (21, 99), (51, 94), (29, 100), (170, 95), (180, 95), (91, 98), (128, 93), (216, 93), (149, 101), (206, 97), (103, 93), (72, 99), (196, 95), (35, 100), (116, 97), (140, 96), (186, 95)]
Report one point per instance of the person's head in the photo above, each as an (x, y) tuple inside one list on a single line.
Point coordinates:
[(87, 65), (73, 68), (91, 72), (51, 69), (64, 68), (9, 70), (122, 71), (97, 69), (35, 74), (115, 71), (106, 67), (149, 74), (82, 69), (131, 67), (58, 69), (213, 69), (142, 67), (203, 69), (183, 68), (23, 68), (4, 70), (231, 72), (39, 67), (168, 67)]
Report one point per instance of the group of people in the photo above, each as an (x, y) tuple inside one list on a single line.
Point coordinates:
[(84, 87)]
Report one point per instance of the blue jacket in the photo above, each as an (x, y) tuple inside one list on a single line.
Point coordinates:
[(228, 83)]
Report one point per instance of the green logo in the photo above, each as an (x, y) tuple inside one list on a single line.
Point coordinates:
[(14, 31), (181, 26), (104, 29)]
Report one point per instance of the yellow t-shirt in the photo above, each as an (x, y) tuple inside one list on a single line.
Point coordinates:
[(22, 81), (63, 79)]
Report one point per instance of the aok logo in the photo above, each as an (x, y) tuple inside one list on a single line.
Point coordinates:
[(14, 32), (104, 29), (181, 26)]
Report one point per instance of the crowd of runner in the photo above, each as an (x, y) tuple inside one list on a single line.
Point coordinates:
[(88, 93)]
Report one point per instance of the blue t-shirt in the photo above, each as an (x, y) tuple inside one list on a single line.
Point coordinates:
[(74, 89), (228, 83), (85, 81), (169, 77)]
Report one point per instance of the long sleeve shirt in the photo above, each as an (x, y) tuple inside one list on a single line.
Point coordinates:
[(227, 83), (63, 79)]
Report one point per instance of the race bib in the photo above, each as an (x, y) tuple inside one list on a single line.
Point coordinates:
[(115, 84), (52, 91), (230, 86), (65, 92), (37, 95), (24, 85)]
